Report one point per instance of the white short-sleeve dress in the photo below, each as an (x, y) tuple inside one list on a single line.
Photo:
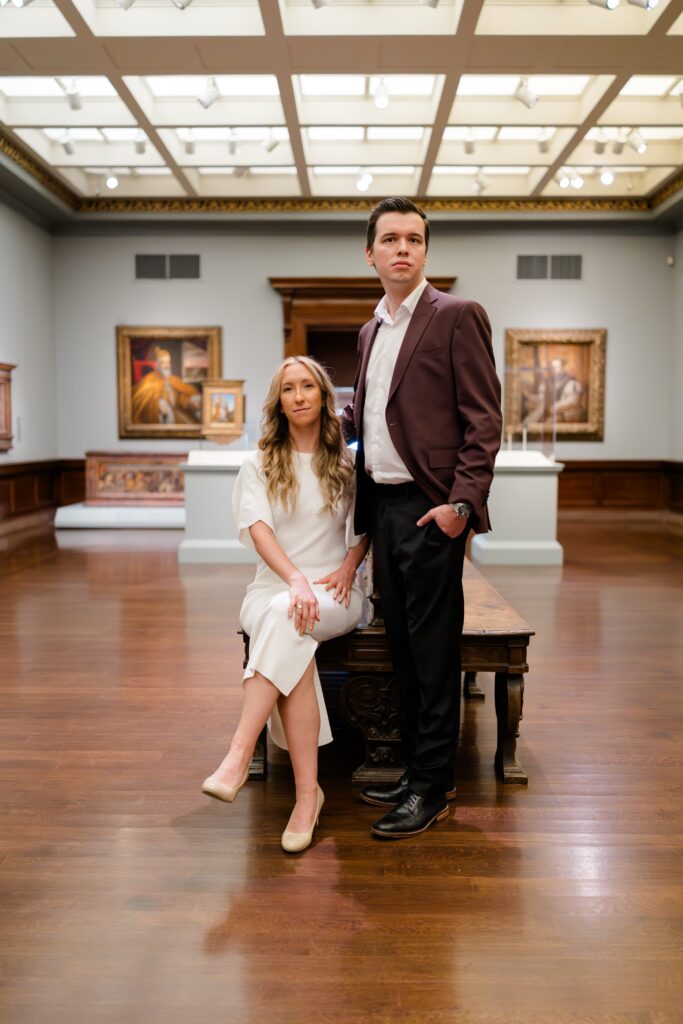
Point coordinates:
[(316, 542)]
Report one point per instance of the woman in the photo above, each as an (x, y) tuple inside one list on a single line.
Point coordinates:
[(293, 502)]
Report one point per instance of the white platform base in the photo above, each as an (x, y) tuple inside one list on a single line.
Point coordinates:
[(212, 552), (118, 517), (487, 551)]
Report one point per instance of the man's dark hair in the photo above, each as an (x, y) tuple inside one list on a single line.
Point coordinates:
[(394, 204)]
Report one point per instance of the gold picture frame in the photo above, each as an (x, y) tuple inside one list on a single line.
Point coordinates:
[(160, 373), (222, 409), (558, 374)]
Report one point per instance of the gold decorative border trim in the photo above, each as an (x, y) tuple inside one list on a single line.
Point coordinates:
[(622, 204), (37, 172)]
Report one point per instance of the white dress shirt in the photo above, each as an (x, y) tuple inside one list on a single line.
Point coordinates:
[(382, 461)]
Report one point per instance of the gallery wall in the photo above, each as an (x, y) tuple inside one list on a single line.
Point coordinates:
[(27, 336), (627, 287)]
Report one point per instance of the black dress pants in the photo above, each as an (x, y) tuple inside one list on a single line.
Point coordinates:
[(418, 572)]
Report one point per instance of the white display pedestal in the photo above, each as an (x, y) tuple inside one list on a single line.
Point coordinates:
[(523, 508), (118, 517), (210, 530)]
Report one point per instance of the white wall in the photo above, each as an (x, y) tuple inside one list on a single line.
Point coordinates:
[(677, 360), (27, 336), (627, 287)]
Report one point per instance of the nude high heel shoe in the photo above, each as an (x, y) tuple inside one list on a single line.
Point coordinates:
[(295, 842), (212, 787)]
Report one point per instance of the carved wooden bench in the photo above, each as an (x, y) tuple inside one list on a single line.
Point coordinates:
[(495, 639)]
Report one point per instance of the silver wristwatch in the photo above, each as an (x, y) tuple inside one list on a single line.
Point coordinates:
[(461, 508)]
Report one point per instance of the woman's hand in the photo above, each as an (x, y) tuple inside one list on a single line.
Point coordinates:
[(303, 604), (340, 582)]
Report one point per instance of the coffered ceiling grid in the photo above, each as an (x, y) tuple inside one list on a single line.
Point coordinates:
[(566, 118)]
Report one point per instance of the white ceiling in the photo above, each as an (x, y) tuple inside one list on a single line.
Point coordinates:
[(354, 99)]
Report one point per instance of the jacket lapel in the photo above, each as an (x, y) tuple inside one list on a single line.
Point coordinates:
[(424, 311), (360, 393)]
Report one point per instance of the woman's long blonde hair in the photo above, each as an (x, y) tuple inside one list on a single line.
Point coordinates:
[(331, 462)]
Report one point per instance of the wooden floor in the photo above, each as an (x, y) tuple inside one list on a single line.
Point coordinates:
[(129, 897)]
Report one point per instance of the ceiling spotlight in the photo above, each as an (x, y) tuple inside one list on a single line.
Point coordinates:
[(141, 143), (606, 176), (524, 94), (544, 141), (636, 141), (124, 5), (469, 143), (649, 5), (111, 181), (480, 183), (232, 143), (563, 179), (430, 3), (68, 143), (70, 88), (241, 172), (364, 181), (381, 97), (576, 180), (599, 144), (189, 143), (182, 4), (609, 5), (21, 3), (318, 4), (270, 142), (618, 144), (209, 94)]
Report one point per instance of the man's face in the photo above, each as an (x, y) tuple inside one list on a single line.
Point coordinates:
[(557, 366), (164, 366), (399, 252)]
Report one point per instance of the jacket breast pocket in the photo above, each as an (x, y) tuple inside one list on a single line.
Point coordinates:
[(442, 458)]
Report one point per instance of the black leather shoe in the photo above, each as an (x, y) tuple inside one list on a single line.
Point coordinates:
[(411, 817), (388, 796)]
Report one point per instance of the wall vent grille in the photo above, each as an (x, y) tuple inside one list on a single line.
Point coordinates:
[(565, 268), (150, 267), (532, 268), (186, 266)]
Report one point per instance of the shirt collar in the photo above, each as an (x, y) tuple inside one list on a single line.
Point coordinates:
[(408, 304)]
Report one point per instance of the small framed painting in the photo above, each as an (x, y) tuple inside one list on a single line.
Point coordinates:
[(222, 409)]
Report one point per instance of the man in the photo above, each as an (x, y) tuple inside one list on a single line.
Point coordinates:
[(426, 415), (162, 397)]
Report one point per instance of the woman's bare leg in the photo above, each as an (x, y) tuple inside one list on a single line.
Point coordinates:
[(301, 721), (260, 697)]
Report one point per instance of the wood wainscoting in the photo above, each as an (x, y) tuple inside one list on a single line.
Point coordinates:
[(623, 484), (31, 491)]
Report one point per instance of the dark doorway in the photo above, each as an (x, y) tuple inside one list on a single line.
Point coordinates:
[(335, 347)]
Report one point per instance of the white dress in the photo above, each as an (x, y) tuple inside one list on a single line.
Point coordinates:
[(316, 542)]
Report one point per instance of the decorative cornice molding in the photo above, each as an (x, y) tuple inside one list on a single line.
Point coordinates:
[(27, 163), (559, 205)]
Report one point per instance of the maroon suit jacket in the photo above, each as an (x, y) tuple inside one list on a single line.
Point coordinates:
[(443, 411)]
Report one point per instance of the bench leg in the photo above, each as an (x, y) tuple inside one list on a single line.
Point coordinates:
[(509, 699), (370, 702), (472, 690), (258, 766)]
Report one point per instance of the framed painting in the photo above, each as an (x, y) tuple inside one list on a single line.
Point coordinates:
[(6, 406), (222, 409), (134, 478), (160, 375), (555, 376)]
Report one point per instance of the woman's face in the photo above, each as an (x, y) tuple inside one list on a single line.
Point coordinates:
[(300, 396)]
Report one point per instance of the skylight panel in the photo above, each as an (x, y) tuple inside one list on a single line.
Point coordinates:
[(512, 133), (648, 85), (151, 171), (395, 134), (123, 134), (332, 134), (333, 169), (404, 85), (332, 85), (44, 88), (662, 134), (458, 133), (392, 170), (273, 170), (75, 134), (453, 169), (558, 85), (501, 169), (178, 86), (487, 85)]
